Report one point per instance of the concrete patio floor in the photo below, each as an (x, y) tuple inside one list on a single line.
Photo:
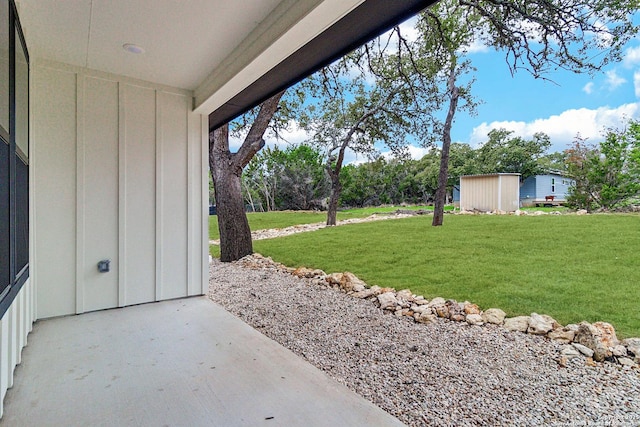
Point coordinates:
[(185, 362)]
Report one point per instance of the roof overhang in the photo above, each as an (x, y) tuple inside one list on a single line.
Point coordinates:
[(231, 54), (337, 36)]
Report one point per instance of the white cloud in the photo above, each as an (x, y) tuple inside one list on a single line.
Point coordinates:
[(631, 57), (476, 47), (614, 80), (636, 83), (294, 136), (564, 127), (603, 35), (417, 152), (408, 29), (588, 88)]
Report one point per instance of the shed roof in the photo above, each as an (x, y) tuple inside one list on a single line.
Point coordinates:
[(490, 174)]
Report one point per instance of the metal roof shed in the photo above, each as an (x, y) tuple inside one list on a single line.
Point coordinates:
[(492, 192)]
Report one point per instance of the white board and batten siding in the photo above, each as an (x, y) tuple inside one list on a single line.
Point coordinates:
[(120, 174), (15, 325), (489, 193)]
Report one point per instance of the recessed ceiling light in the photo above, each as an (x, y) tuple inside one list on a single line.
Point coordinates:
[(133, 48)]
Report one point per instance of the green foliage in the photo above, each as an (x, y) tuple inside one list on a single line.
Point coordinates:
[(571, 267), (606, 176), (369, 96), (504, 153), (393, 181), (293, 178)]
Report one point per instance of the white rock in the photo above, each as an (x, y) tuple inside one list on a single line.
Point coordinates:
[(358, 287), (619, 350), (518, 323), (366, 293), (427, 318), (591, 336), (405, 294), (494, 315), (334, 278), (422, 309), (563, 335), (539, 324), (388, 301), (436, 301), (420, 300), (625, 361), (475, 319), (581, 212), (570, 352), (572, 327), (583, 349)]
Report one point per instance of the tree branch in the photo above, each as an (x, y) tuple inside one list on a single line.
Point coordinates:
[(253, 141)]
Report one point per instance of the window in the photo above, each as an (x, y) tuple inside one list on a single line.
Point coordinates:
[(5, 254), (21, 136), (553, 185), (14, 156), (4, 70)]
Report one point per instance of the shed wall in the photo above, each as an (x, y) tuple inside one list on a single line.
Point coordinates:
[(478, 192), (509, 197), (490, 192), (121, 175)]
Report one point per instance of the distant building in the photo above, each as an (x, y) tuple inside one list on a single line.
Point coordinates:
[(490, 192), (549, 188)]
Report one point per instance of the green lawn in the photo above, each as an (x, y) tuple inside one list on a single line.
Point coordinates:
[(571, 267)]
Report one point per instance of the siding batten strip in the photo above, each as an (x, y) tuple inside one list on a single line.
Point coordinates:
[(4, 358), (122, 198), (12, 341), (500, 192), (159, 198), (80, 144), (204, 194), (190, 200)]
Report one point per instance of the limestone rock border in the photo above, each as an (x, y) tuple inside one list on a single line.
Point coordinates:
[(595, 342)]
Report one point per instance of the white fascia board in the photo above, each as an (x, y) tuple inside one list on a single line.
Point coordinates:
[(219, 87)]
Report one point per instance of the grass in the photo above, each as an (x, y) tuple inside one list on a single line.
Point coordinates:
[(571, 267), (266, 220)]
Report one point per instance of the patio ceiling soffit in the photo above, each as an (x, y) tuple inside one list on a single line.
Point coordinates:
[(298, 38)]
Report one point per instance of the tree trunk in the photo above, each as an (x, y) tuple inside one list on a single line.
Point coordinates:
[(443, 175), (226, 170), (336, 188), (235, 234)]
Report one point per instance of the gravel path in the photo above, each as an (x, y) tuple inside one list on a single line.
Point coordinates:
[(271, 233), (441, 374)]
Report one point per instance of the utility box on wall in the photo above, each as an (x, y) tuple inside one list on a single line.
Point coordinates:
[(487, 193)]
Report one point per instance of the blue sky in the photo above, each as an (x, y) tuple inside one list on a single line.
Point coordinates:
[(568, 104), (562, 106)]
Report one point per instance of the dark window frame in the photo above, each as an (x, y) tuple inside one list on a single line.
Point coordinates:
[(18, 184)]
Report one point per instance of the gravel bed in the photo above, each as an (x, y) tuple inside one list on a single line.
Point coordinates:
[(440, 374)]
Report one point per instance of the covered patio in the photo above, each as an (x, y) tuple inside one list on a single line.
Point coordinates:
[(106, 110), (184, 362)]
